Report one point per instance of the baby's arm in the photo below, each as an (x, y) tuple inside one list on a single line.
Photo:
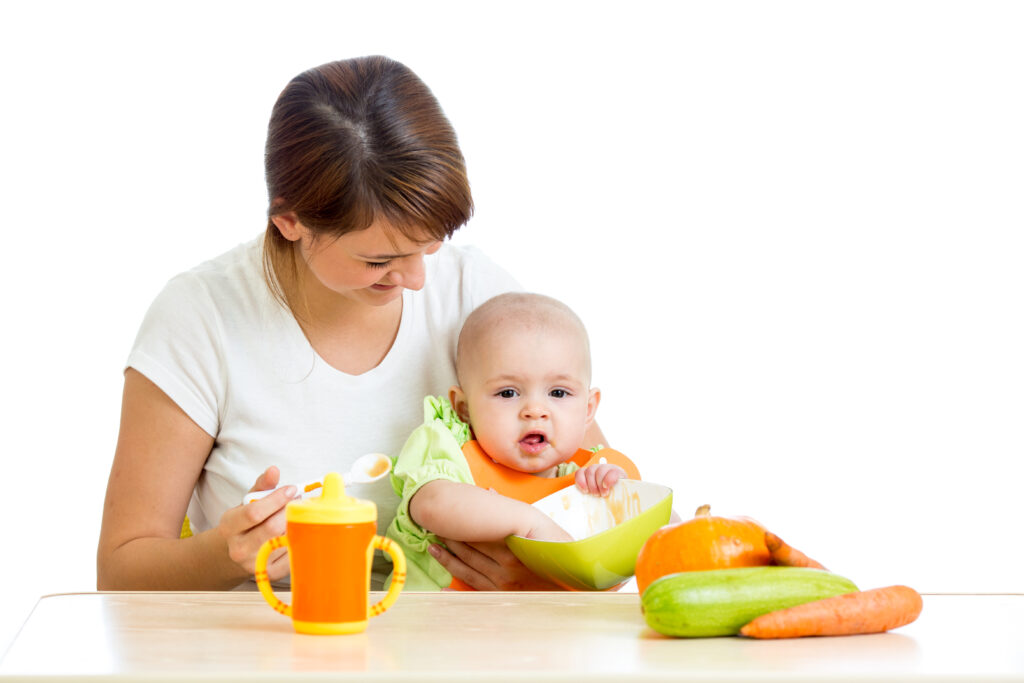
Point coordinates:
[(464, 512), (599, 479)]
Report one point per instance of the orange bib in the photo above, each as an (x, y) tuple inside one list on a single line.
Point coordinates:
[(528, 487)]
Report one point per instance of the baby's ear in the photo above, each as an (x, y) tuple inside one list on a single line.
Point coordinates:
[(592, 400), (457, 397)]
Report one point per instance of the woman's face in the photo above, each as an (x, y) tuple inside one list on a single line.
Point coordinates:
[(370, 266)]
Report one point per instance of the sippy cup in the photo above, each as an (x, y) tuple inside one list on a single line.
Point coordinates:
[(330, 541)]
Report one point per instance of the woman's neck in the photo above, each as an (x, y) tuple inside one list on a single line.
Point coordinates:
[(351, 336)]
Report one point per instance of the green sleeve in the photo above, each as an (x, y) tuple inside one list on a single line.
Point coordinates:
[(566, 468), (439, 409), (431, 452)]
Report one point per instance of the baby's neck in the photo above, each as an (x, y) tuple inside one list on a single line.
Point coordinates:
[(549, 473)]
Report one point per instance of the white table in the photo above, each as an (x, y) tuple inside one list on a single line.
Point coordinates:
[(498, 636)]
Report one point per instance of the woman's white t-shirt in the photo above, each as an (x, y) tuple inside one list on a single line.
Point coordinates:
[(220, 346)]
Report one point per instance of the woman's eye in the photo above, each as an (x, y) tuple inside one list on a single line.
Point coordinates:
[(378, 264), (507, 393), (559, 393)]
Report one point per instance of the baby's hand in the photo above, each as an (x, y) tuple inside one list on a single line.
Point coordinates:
[(545, 529), (599, 479)]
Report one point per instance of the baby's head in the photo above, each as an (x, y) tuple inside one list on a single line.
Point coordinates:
[(523, 365)]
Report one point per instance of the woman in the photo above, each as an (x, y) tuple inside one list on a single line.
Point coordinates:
[(291, 356)]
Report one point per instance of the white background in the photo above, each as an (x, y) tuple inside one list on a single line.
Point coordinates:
[(794, 230)]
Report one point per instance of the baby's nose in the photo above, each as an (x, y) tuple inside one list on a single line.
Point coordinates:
[(535, 410)]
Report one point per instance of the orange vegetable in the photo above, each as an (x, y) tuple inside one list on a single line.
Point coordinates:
[(704, 542), (870, 611), (785, 555)]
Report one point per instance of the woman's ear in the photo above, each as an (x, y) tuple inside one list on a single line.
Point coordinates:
[(458, 401), (288, 225)]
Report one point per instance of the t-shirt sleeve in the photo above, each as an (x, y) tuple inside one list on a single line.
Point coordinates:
[(179, 348)]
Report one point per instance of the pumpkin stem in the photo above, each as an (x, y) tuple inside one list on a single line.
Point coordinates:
[(703, 511)]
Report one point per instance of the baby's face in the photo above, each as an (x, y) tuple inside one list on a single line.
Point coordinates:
[(528, 398)]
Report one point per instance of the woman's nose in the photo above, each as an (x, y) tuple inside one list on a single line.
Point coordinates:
[(410, 273)]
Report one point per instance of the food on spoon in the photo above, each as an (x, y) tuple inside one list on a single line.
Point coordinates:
[(785, 555), (719, 602), (704, 542), (872, 611)]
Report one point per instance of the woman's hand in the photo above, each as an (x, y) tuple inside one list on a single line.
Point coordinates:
[(247, 527), (488, 567)]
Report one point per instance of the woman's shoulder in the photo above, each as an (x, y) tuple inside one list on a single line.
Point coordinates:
[(235, 273), (451, 258), (243, 261), (225, 293), (468, 270)]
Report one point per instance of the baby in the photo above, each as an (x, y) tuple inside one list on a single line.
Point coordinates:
[(523, 367)]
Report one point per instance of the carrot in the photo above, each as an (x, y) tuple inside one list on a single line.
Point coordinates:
[(785, 555), (870, 611)]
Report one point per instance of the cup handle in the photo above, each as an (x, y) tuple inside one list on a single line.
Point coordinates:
[(397, 576), (263, 581)]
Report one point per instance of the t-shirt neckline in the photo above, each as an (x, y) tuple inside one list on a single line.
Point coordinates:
[(404, 324)]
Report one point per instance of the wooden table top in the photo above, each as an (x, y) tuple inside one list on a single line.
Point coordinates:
[(503, 636)]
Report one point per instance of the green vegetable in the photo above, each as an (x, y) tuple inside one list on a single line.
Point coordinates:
[(718, 602)]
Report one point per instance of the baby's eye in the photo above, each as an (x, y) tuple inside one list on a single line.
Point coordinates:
[(508, 393), (558, 393), (377, 264)]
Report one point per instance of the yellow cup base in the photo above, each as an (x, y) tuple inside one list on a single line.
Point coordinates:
[(318, 628)]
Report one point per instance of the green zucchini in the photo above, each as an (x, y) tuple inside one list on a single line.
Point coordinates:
[(718, 602)]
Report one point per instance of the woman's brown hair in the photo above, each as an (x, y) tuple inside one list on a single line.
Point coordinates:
[(356, 141)]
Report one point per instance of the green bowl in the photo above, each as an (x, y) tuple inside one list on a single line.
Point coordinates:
[(609, 533)]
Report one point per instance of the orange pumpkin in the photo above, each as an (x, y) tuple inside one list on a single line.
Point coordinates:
[(704, 542)]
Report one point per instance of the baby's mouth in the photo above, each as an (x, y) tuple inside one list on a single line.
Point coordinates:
[(534, 442)]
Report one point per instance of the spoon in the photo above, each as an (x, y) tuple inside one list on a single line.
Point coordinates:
[(365, 470)]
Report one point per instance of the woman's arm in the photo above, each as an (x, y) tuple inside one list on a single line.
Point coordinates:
[(159, 457), (465, 512)]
